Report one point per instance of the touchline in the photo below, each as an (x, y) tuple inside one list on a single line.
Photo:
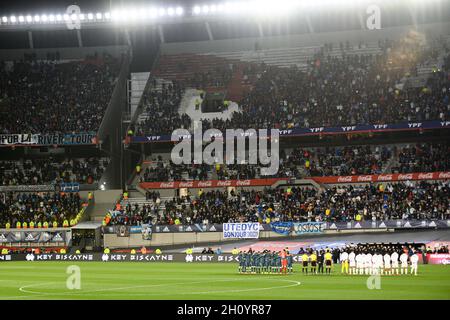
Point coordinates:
[(191, 150)]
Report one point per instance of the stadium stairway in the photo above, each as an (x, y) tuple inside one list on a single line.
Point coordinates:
[(236, 89)]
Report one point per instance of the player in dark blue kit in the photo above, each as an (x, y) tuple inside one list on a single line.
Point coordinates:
[(274, 262), (278, 256), (290, 260), (241, 258)]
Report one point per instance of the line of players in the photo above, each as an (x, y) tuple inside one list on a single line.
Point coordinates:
[(266, 262), (369, 262)]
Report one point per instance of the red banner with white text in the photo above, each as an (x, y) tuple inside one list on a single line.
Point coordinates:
[(326, 180), (210, 183), (384, 177)]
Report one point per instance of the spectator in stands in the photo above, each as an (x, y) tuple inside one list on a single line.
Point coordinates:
[(38, 208), (55, 97)]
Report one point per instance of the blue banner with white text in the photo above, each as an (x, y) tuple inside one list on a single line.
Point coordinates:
[(283, 228), (365, 128)]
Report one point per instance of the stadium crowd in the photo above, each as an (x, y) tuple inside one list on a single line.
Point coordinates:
[(35, 210), (423, 158), (161, 109), (54, 96), (409, 200), (51, 170), (339, 90), (322, 161)]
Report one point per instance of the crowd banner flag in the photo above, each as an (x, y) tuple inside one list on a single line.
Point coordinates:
[(308, 227), (247, 230), (81, 138), (282, 227)]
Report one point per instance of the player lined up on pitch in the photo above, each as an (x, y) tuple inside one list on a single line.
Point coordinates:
[(265, 262), (315, 261), (372, 260)]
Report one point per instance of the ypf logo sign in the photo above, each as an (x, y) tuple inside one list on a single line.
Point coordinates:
[(73, 23)]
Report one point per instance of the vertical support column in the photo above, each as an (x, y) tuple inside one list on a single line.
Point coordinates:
[(80, 41), (30, 40), (161, 33), (127, 37), (208, 29), (361, 21), (260, 30), (310, 26)]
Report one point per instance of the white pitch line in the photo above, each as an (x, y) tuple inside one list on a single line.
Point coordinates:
[(37, 294), (295, 284)]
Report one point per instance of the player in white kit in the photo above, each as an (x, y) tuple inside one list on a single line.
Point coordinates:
[(363, 263), (375, 263), (414, 263), (352, 262), (380, 264), (394, 262), (404, 263), (359, 263), (387, 263), (368, 263)]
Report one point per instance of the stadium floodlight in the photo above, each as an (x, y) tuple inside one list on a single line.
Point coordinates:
[(73, 17), (115, 15), (170, 12), (153, 13), (81, 16), (98, 16), (21, 19), (13, 19), (90, 16), (134, 14), (37, 18), (197, 10), (205, 9), (107, 15), (59, 17), (51, 18), (29, 19), (4, 19), (179, 11), (162, 12), (44, 18), (66, 17)]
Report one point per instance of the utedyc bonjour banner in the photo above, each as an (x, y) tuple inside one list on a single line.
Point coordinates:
[(248, 230)]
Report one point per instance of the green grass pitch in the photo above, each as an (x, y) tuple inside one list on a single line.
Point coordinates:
[(47, 280)]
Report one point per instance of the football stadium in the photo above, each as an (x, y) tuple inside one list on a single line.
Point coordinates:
[(225, 150)]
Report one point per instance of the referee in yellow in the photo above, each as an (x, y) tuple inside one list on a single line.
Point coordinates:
[(313, 258), (305, 260), (328, 261)]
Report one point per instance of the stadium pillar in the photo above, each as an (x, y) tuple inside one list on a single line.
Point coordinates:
[(30, 39), (309, 24), (260, 29), (361, 21), (161, 33), (80, 41), (208, 29)]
